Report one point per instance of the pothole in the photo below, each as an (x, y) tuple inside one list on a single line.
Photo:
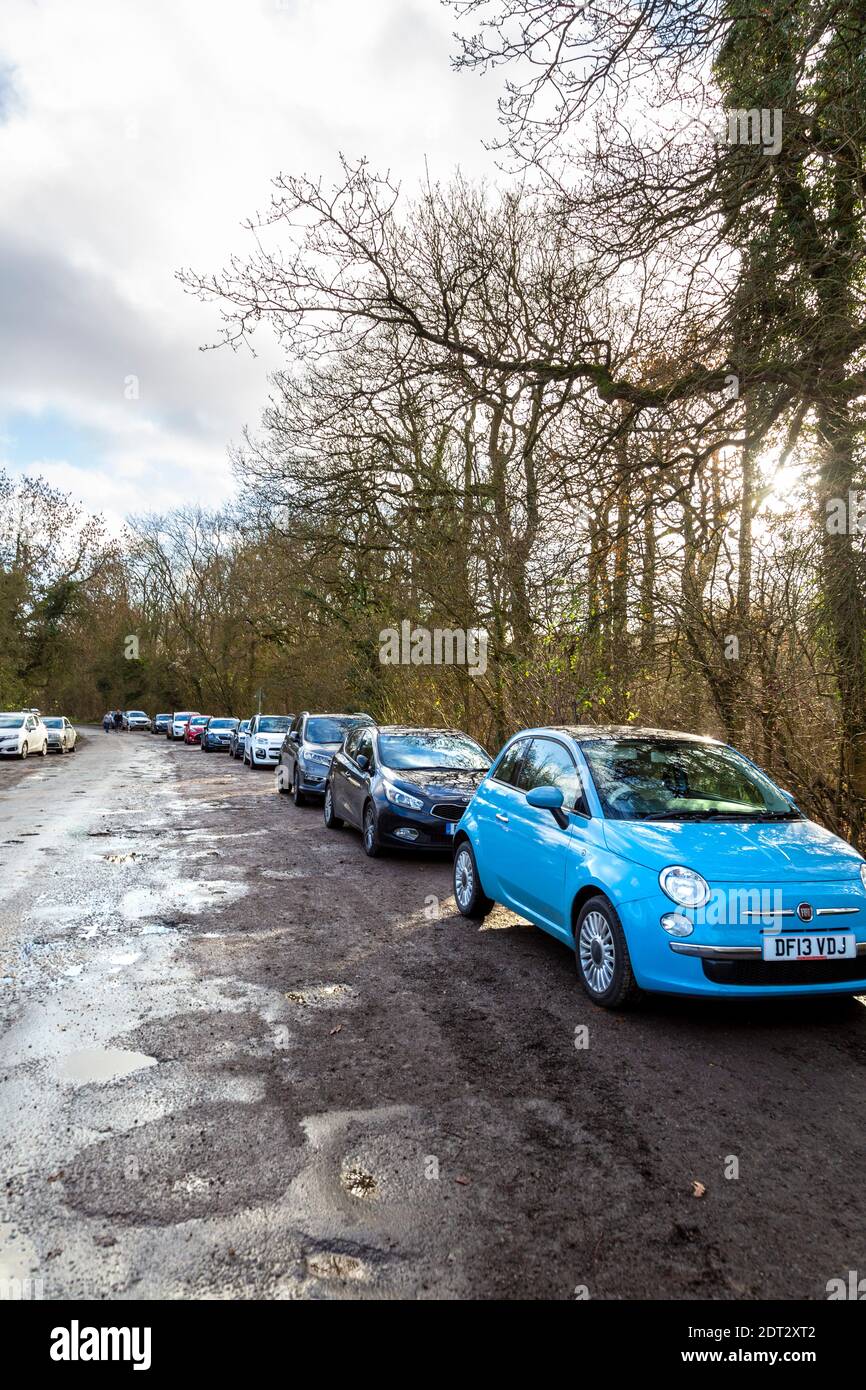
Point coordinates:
[(99, 1064), (318, 996), (358, 1182), (331, 1264)]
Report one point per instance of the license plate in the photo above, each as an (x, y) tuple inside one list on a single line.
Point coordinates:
[(450, 827), (829, 946)]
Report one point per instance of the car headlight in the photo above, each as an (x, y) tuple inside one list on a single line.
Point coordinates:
[(863, 874), (399, 798), (684, 886)]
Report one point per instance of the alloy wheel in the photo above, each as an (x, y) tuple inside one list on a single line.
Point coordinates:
[(464, 878), (597, 952)]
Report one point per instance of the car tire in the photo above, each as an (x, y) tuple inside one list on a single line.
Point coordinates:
[(370, 832), (297, 795), (332, 821), (25, 749), (601, 955), (45, 749), (470, 897)]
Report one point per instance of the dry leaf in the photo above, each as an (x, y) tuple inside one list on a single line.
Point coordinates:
[(698, 1188)]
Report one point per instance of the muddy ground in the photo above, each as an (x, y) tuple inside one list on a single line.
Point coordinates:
[(239, 1059)]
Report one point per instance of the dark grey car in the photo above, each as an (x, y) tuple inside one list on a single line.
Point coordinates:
[(307, 750)]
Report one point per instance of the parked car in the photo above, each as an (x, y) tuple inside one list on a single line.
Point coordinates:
[(403, 787), (61, 735), (22, 733), (160, 723), (308, 748), (135, 720), (237, 738), (178, 722), (666, 861), (264, 739), (195, 724), (216, 733)]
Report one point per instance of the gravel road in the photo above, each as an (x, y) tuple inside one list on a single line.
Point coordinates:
[(241, 1060)]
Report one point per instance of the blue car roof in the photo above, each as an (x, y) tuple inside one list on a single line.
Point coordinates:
[(581, 732)]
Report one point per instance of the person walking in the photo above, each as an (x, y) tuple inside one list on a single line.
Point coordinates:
[(118, 721), (107, 722)]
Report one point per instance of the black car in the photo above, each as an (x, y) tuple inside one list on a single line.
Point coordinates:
[(216, 734), (160, 724), (403, 787), (308, 748)]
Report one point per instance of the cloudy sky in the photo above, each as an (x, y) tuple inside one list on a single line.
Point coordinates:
[(134, 138)]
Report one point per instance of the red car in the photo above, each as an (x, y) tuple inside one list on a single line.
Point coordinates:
[(192, 733)]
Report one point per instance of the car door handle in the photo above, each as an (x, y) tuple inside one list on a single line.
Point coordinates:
[(499, 816)]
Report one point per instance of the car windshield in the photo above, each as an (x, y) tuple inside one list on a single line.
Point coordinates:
[(185, 714), (223, 724), (434, 750), (11, 721), (244, 725), (199, 719), (676, 779), (331, 728), (53, 723), (274, 724), (136, 714)]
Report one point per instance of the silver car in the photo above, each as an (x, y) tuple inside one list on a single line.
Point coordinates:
[(135, 719), (61, 735), (309, 746)]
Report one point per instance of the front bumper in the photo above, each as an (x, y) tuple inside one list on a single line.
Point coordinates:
[(726, 958), (10, 750), (265, 757), (408, 829)]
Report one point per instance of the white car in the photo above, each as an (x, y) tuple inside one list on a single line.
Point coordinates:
[(265, 739), (136, 719), (22, 733), (179, 721), (61, 735)]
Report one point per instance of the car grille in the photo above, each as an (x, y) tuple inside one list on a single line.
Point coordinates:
[(449, 810), (794, 972)]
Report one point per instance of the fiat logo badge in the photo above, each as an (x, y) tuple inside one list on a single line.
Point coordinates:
[(804, 912)]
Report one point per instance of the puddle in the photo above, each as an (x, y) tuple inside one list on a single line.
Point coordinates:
[(97, 1064), (313, 995)]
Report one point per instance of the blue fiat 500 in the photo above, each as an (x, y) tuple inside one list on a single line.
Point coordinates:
[(667, 862)]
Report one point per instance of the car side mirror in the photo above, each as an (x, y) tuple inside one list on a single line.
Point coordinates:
[(363, 762), (548, 799), (294, 735)]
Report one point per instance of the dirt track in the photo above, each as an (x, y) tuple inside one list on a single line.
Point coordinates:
[(242, 1060)]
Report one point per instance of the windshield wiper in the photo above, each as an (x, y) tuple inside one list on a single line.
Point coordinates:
[(684, 815)]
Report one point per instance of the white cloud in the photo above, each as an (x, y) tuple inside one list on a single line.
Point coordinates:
[(136, 138)]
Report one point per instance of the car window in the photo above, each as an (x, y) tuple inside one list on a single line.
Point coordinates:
[(323, 728), (508, 766), (365, 746), (352, 742), (678, 779), (549, 764)]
